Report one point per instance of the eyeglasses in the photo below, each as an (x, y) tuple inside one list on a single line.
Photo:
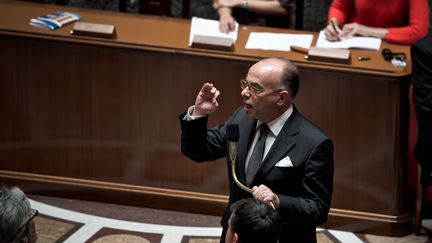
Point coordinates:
[(396, 58), (33, 214), (254, 88)]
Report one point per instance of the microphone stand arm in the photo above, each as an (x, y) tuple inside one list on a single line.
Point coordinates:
[(233, 162)]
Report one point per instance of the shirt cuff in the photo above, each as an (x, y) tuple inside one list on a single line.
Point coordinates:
[(189, 117)]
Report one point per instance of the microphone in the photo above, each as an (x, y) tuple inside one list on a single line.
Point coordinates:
[(232, 135)]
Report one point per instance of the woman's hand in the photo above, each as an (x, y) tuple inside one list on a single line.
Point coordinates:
[(332, 31), (353, 29)]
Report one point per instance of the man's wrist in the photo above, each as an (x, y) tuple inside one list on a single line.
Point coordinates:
[(190, 116)]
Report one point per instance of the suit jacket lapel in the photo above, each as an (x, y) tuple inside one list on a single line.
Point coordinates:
[(284, 142), (247, 133)]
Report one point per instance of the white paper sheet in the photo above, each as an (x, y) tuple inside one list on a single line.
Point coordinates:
[(277, 42), (358, 42), (208, 27)]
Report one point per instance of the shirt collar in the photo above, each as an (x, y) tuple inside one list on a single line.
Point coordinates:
[(277, 124)]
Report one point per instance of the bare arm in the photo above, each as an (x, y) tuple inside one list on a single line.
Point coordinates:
[(226, 20), (224, 9), (353, 29)]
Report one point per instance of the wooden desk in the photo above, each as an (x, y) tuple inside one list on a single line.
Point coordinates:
[(97, 119)]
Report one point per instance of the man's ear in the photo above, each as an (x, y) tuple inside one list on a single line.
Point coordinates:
[(236, 238), (284, 97)]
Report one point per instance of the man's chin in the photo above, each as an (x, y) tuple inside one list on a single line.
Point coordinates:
[(248, 110)]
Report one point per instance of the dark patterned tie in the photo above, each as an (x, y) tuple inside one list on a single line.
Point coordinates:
[(257, 155)]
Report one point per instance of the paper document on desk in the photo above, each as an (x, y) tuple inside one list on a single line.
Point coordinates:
[(277, 42), (358, 42), (54, 20), (208, 27)]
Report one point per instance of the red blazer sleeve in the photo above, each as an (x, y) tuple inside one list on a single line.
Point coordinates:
[(341, 10), (418, 24)]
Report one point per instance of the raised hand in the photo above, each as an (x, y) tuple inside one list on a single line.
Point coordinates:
[(206, 100)]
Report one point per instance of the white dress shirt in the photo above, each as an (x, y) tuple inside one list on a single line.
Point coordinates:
[(275, 127)]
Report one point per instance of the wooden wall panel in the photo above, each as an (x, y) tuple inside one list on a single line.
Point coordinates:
[(359, 114), (108, 114)]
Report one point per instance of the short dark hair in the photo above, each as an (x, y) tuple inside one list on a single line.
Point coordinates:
[(290, 77), (254, 221)]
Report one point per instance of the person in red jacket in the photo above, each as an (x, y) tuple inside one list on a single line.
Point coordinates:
[(397, 21)]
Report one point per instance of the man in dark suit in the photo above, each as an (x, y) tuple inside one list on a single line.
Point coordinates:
[(296, 172)]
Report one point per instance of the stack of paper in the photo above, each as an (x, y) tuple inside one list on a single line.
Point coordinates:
[(54, 20), (209, 28), (358, 42), (277, 42)]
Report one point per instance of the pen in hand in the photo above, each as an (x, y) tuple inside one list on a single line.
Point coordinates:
[(335, 29)]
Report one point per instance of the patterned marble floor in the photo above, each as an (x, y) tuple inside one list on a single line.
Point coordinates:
[(57, 224)]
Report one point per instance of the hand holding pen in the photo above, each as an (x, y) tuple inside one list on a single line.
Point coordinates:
[(332, 30)]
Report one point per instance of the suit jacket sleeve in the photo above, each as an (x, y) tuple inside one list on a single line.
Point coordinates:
[(201, 144)]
